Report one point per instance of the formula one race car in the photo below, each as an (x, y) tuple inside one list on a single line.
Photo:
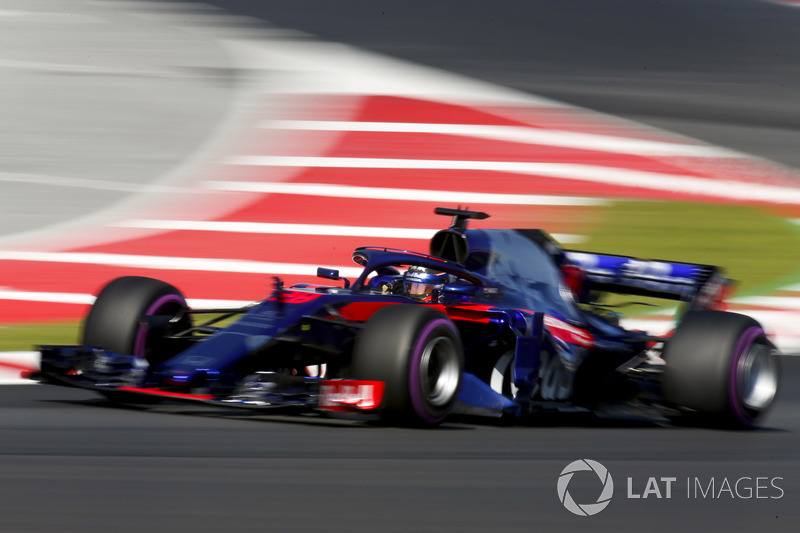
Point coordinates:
[(494, 322)]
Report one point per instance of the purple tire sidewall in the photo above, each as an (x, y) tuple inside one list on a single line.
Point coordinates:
[(414, 386), (737, 367), (140, 340)]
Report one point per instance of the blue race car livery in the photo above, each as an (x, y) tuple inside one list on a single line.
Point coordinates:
[(489, 322)]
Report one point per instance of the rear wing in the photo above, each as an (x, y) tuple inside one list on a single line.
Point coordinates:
[(704, 286)]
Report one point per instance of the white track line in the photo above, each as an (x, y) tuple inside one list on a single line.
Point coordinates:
[(568, 171), (240, 266), (49, 297), (88, 299), (519, 134), (82, 183), (385, 193), (29, 359), (48, 17), (788, 303), (787, 3), (269, 228), (276, 228), (11, 376)]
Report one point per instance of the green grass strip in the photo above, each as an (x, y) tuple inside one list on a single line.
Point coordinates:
[(25, 337), (757, 249), (761, 252)]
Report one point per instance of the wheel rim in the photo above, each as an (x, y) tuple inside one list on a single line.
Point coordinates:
[(758, 375), (166, 304), (439, 371)]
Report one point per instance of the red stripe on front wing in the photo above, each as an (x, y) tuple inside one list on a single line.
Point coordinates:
[(167, 394)]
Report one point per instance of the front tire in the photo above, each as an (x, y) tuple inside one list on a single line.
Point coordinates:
[(121, 317), (416, 351), (721, 367)]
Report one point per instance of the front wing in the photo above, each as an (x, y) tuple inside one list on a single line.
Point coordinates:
[(120, 378)]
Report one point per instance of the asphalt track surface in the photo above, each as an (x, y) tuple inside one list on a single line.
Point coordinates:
[(726, 72), (70, 461)]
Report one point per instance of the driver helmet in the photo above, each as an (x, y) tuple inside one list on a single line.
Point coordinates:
[(420, 282)]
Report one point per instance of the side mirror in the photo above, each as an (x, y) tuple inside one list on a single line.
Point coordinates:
[(332, 274)]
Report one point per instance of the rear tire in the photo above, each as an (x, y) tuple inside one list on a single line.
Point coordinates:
[(416, 351), (119, 319), (721, 367)]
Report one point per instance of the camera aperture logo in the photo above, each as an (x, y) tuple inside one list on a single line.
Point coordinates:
[(639, 488), (585, 509)]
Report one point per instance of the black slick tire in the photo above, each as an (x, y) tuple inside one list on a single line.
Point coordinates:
[(416, 351)]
